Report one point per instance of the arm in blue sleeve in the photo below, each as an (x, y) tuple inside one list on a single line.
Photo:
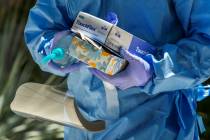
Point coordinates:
[(47, 20), (186, 63)]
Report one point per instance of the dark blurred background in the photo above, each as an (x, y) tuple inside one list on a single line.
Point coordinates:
[(17, 67)]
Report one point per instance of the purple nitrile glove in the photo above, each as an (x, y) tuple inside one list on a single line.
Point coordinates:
[(73, 67), (64, 63), (137, 73)]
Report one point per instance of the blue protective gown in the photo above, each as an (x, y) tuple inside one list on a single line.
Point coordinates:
[(165, 108)]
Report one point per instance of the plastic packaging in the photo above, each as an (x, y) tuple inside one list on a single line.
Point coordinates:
[(86, 50)]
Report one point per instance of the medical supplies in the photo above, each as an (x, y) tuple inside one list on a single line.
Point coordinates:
[(95, 56), (86, 50), (112, 36)]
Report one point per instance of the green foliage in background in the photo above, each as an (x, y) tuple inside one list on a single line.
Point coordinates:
[(17, 67)]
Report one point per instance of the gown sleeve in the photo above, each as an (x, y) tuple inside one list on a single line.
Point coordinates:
[(47, 24), (186, 63)]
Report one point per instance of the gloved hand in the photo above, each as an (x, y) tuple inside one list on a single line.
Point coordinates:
[(56, 56), (137, 73)]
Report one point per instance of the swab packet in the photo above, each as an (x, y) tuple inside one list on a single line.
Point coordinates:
[(91, 53)]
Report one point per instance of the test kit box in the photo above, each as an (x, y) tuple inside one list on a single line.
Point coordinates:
[(95, 56), (110, 35), (92, 27)]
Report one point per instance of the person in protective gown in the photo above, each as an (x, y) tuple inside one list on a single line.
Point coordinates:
[(148, 100)]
